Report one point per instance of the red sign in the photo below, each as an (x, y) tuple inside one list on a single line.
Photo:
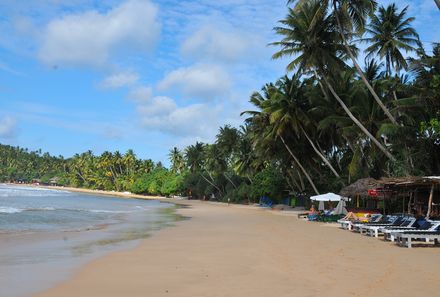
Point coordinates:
[(372, 193)]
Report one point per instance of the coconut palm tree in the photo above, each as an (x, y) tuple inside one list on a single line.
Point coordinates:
[(246, 163), (129, 161), (266, 130), (310, 35), (176, 159), (194, 157), (391, 33), (351, 16), (289, 107)]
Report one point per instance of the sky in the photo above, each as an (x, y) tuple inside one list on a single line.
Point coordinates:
[(139, 74)]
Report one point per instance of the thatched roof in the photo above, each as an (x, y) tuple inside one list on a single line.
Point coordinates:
[(409, 181), (360, 187)]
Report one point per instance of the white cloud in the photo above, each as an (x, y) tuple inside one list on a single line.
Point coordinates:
[(201, 81), (91, 37), (7, 127), (119, 80), (140, 94), (162, 114), (213, 44)]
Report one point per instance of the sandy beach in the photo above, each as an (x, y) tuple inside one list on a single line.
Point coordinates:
[(239, 251)]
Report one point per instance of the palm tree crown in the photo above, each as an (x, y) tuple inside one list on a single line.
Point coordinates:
[(390, 33)]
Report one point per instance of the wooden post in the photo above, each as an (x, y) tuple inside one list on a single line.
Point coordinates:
[(430, 201), (403, 205), (409, 202)]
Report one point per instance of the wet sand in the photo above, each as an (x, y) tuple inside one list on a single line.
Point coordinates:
[(239, 251)]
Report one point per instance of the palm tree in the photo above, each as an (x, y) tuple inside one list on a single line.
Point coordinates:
[(390, 33), (351, 18), (310, 35), (227, 141), (289, 107), (129, 161), (265, 130), (194, 157), (176, 159)]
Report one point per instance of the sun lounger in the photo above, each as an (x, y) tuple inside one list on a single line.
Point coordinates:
[(303, 215), (390, 232), (406, 238), (348, 224), (377, 230), (388, 221)]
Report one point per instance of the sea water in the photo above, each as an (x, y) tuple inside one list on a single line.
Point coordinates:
[(46, 234)]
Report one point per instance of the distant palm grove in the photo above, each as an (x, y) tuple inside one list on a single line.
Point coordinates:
[(331, 120)]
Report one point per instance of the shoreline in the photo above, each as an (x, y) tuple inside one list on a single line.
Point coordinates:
[(90, 191), (60, 253), (244, 251)]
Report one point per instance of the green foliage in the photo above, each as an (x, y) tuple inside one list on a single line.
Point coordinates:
[(268, 182), (159, 181)]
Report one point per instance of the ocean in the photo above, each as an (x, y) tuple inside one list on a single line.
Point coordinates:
[(46, 234)]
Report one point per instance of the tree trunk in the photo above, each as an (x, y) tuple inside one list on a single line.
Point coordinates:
[(359, 70), (227, 177), (294, 182), (301, 181), (212, 184), (357, 122), (80, 175), (300, 166), (319, 153)]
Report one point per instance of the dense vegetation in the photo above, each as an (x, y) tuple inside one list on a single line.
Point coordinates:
[(326, 124)]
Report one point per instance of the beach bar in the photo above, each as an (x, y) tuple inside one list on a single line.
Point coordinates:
[(420, 195), (410, 194)]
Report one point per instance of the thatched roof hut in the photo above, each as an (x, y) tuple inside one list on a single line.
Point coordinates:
[(359, 188), (409, 181)]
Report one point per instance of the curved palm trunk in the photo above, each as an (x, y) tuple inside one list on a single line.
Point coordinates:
[(80, 175), (301, 181), (300, 166), (211, 183), (359, 70), (230, 180), (295, 182), (327, 162), (357, 122)]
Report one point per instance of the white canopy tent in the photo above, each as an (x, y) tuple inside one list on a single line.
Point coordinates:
[(328, 197), (340, 208)]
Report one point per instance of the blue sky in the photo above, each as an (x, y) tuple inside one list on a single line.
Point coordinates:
[(147, 75)]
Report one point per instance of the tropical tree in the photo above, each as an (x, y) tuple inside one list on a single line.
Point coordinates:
[(289, 107), (391, 33), (177, 160), (351, 17), (310, 36), (272, 131), (194, 157)]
